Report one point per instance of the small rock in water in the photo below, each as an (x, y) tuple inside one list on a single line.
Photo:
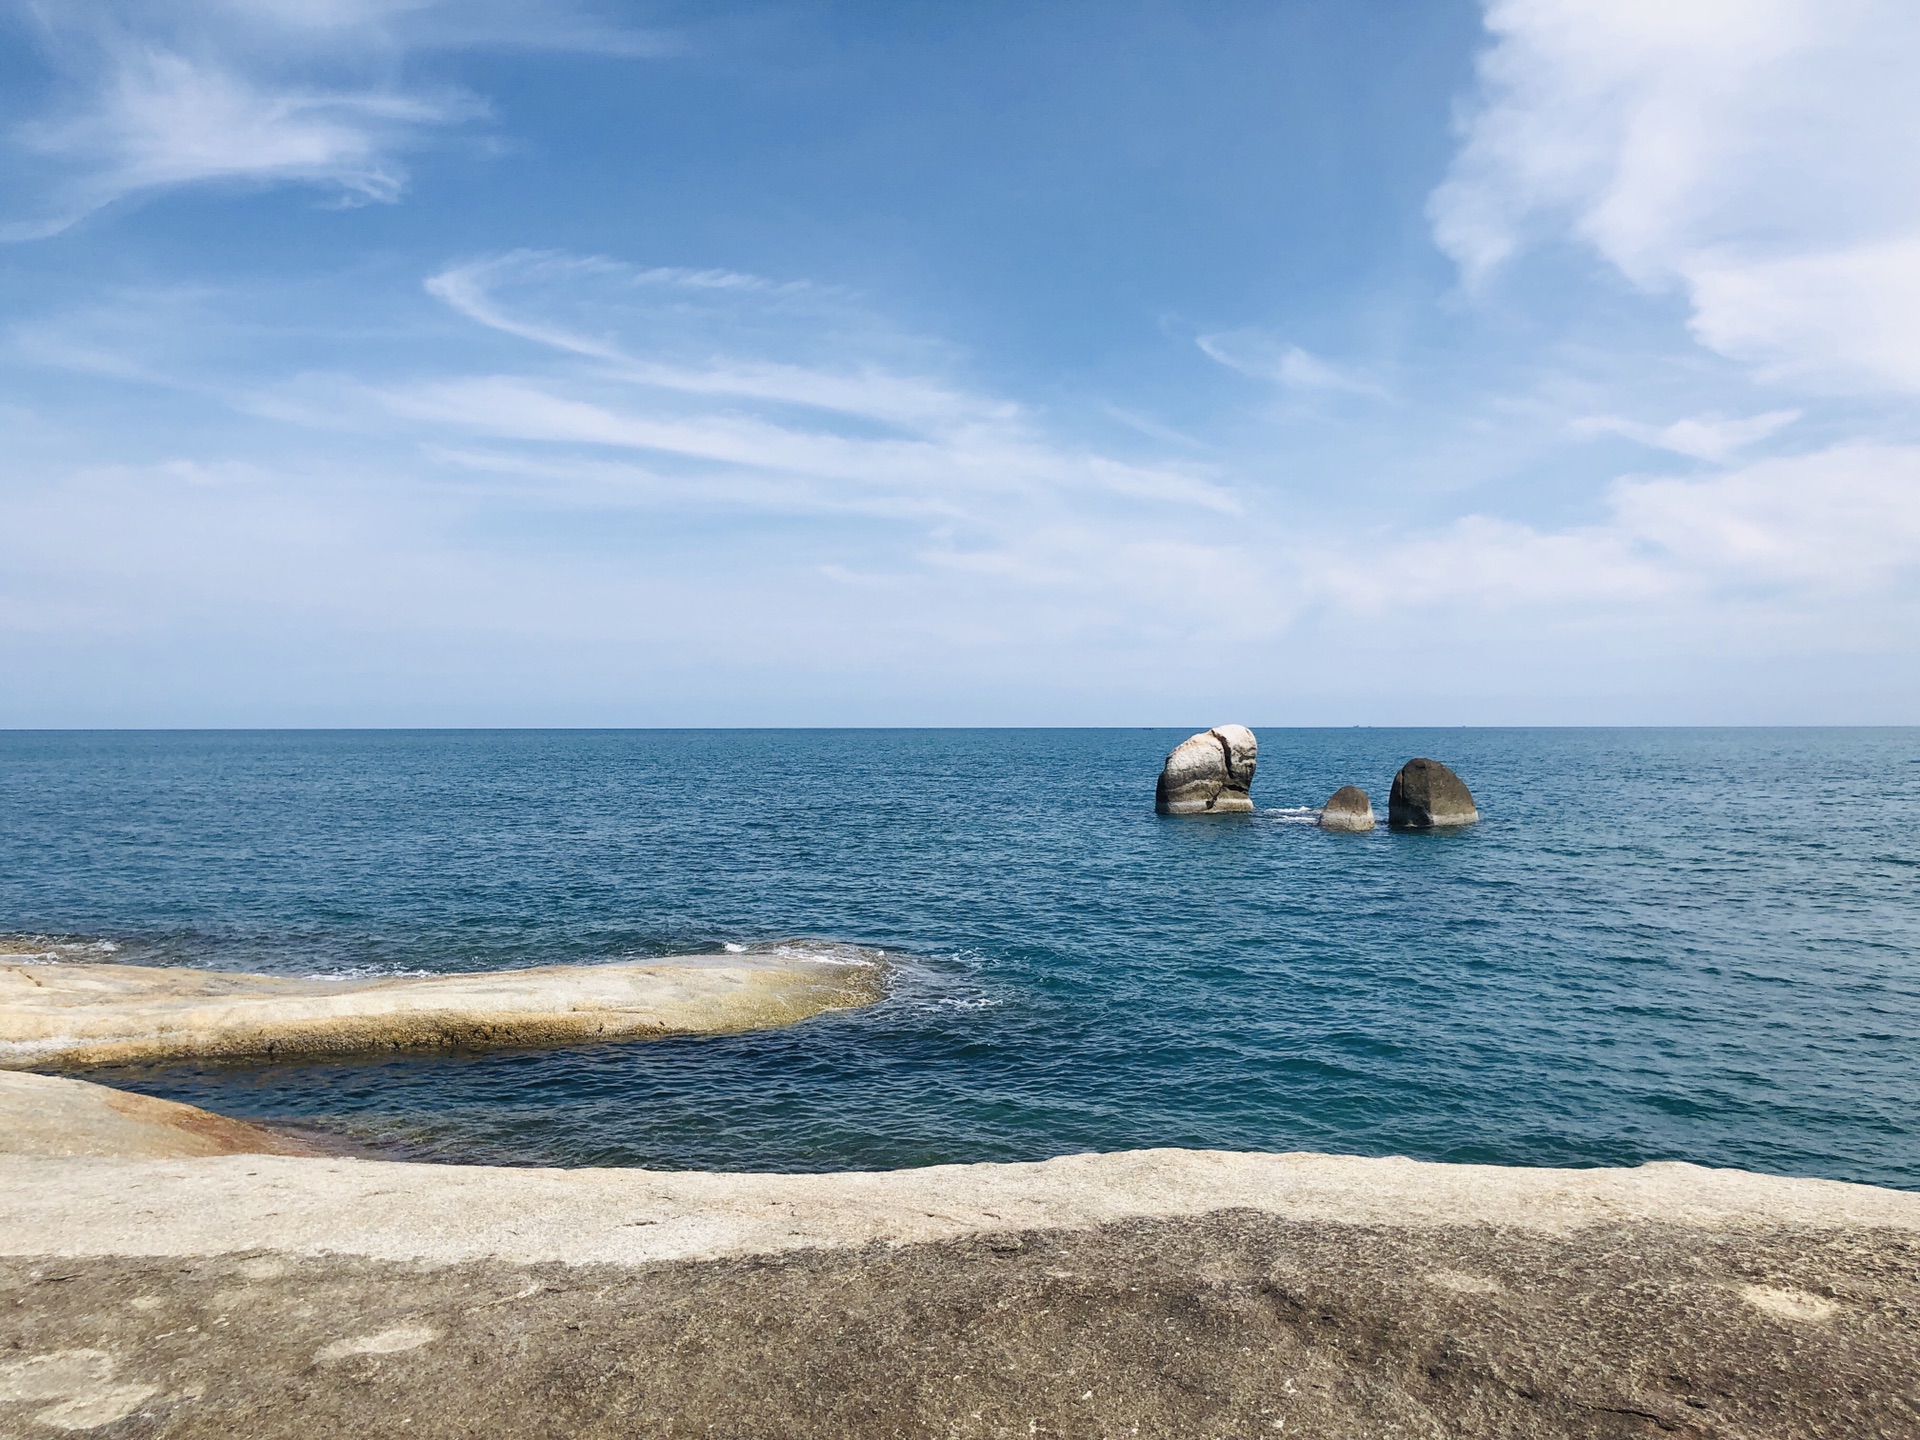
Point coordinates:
[(1428, 796), (1347, 809), (1209, 774)]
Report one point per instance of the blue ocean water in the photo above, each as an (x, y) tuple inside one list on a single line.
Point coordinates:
[(1687, 944)]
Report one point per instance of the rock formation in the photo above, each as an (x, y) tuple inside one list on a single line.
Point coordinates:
[(48, 1115), (1208, 774), (121, 1014), (1347, 809), (1157, 1292), (1428, 796)]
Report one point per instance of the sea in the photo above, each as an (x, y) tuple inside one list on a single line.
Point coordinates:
[(1687, 944)]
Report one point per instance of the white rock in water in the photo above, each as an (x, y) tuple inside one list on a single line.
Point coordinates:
[(1209, 774)]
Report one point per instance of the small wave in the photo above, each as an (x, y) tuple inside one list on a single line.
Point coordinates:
[(1294, 814), (943, 984), (371, 972), (54, 950), (821, 952)]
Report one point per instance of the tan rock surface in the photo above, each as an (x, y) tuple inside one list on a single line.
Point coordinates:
[(49, 1116), (448, 1214), (112, 1014), (1159, 1293)]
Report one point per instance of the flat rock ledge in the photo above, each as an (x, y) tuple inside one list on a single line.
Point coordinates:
[(83, 1014), (1159, 1293)]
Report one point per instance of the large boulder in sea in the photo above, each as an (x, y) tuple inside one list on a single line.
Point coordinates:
[(1209, 774), (1348, 808), (1428, 796)]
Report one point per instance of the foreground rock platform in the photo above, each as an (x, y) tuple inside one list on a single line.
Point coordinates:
[(85, 1014), (1230, 1324), (1158, 1293)]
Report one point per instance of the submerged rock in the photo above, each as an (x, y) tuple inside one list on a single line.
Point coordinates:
[(1348, 808), (1208, 774), (1428, 796)]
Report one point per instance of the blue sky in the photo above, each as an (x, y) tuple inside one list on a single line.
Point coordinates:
[(419, 362)]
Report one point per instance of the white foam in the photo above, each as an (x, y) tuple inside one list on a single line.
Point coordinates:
[(819, 952), (370, 972), (52, 950)]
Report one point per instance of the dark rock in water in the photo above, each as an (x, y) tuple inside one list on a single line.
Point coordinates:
[(1347, 809), (1428, 796), (1208, 774)]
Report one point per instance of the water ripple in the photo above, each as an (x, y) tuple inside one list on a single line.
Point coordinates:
[(1658, 944)]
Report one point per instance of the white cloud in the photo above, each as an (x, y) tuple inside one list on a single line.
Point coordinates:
[(1841, 522), (780, 378), (742, 401), (1811, 532), (1266, 357), (1703, 437), (1848, 315), (155, 95), (167, 120), (835, 356), (701, 469), (1754, 154)]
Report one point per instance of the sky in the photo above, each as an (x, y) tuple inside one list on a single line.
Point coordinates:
[(1101, 362)]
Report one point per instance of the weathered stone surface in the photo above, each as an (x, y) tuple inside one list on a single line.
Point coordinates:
[(1348, 808), (48, 1115), (114, 1014), (1427, 795), (1164, 1293), (1209, 774)]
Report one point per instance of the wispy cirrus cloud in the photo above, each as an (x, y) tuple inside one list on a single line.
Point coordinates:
[(710, 332), (735, 370), (1264, 356), (150, 96), (1713, 438), (707, 463)]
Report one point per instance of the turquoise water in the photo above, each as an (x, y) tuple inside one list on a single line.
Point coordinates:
[(1691, 944)]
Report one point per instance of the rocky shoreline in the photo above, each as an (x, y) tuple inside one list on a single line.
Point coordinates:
[(105, 1014), (186, 1292)]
